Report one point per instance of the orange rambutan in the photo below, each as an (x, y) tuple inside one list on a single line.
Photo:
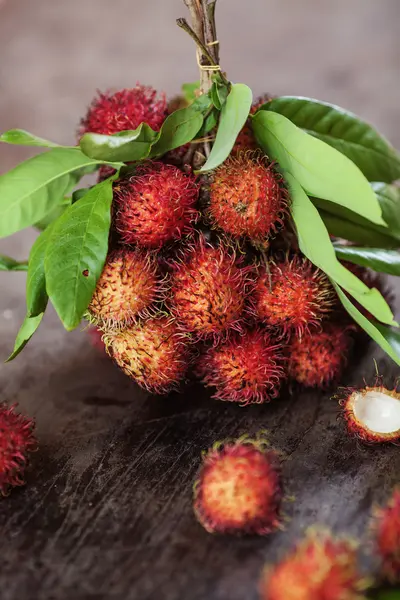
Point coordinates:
[(386, 525), (153, 352), (246, 368), (247, 197), (319, 357), (292, 295), (124, 110), (17, 441), (208, 290), (156, 205), (320, 567), (239, 489), (372, 413), (128, 285)]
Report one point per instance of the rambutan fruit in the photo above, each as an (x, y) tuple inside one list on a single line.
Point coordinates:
[(239, 489), (319, 357), (386, 526), (320, 567), (208, 290), (246, 139), (372, 413), (152, 352), (17, 441), (127, 286), (292, 295), (247, 197), (125, 110), (155, 205), (247, 368)]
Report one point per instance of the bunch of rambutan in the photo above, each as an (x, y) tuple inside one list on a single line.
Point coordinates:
[(202, 272)]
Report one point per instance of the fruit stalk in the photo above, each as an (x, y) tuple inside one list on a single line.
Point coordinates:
[(203, 31)]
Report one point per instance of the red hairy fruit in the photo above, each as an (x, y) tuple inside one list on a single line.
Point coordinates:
[(17, 441), (209, 290), (293, 295), (156, 205), (126, 109), (387, 527), (247, 197), (319, 357), (128, 285), (319, 568), (245, 368), (372, 413), (246, 140), (153, 352), (239, 488)]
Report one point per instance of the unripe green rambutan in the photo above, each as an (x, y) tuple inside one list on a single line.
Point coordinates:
[(247, 197), (239, 488), (153, 352), (17, 441), (156, 205), (292, 295), (128, 285), (245, 368), (208, 290), (319, 357), (319, 568)]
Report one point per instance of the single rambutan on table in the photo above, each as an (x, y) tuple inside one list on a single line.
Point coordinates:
[(223, 272)]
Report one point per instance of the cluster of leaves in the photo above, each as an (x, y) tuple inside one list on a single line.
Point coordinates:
[(339, 171)]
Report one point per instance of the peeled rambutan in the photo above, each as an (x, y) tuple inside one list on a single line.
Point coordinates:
[(247, 368), (128, 285), (239, 489), (153, 352), (319, 357), (319, 568), (125, 110), (208, 290), (247, 197), (386, 525), (292, 295), (372, 413), (16, 442), (155, 205)]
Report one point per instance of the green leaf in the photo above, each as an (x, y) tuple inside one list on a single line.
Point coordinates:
[(388, 595), (321, 170), (347, 230), (189, 91), (35, 187), (125, 146), (36, 294), (314, 242), (358, 220), (76, 253), (378, 259), (181, 126), (234, 115), (19, 137), (53, 215), (27, 329), (343, 130), (9, 264), (219, 93), (389, 200), (387, 339), (210, 121)]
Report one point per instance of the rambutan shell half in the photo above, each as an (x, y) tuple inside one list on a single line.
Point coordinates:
[(372, 413), (239, 488)]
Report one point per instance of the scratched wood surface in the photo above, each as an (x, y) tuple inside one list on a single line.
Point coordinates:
[(107, 512)]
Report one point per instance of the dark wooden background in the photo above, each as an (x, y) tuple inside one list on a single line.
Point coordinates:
[(107, 510)]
